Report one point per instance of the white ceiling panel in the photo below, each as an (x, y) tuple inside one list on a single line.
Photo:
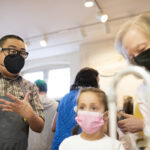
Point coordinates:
[(64, 22)]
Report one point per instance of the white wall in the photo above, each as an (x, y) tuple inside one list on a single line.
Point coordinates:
[(99, 55), (71, 60), (103, 57)]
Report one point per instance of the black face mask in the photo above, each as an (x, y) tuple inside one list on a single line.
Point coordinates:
[(143, 59), (14, 63)]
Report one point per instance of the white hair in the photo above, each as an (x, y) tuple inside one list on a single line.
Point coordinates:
[(141, 23)]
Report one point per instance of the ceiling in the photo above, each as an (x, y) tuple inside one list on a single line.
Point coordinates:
[(66, 23)]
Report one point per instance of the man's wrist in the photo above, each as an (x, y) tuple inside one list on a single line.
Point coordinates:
[(30, 116)]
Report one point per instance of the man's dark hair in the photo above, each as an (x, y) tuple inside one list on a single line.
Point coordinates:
[(86, 77), (42, 86), (6, 37)]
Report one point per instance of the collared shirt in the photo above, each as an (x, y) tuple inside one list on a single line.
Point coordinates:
[(14, 87)]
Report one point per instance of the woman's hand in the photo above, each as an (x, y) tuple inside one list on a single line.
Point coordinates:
[(130, 123)]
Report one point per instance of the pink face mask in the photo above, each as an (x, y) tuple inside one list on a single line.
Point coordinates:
[(90, 122)]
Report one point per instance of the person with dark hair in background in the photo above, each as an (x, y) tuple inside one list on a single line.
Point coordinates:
[(20, 105), (86, 77), (43, 140)]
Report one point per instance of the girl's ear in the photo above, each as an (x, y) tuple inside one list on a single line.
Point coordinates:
[(106, 122), (106, 116), (75, 109)]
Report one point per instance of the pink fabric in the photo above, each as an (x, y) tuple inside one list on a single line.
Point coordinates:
[(90, 122)]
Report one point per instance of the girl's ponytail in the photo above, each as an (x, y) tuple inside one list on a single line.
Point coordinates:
[(75, 130)]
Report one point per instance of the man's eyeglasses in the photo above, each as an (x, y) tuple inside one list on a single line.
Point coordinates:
[(12, 51)]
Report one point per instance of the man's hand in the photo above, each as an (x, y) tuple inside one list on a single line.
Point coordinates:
[(130, 123), (24, 109), (20, 107)]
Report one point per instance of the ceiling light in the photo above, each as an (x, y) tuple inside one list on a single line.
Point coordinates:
[(43, 42), (82, 33), (89, 3), (102, 17), (27, 44), (106, 28)]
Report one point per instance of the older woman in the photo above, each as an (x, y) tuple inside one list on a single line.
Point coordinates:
[(133, 42)]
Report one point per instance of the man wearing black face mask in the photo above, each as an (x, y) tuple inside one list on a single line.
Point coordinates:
[(20, 106), (133, 42)]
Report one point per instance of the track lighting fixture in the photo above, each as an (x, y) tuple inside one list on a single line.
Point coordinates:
[(27, 44), (89, 3), (43, 42), (102, 17)]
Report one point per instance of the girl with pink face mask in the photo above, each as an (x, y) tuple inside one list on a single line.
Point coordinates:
[(91, 116)]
